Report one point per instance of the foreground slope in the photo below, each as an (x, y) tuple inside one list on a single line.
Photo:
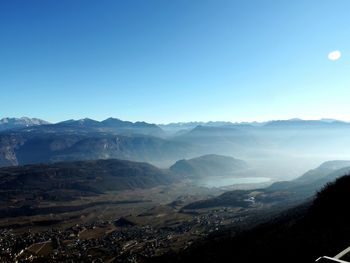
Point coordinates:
[(302, 234)]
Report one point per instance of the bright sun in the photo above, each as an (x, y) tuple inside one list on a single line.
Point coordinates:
[(334, 55)]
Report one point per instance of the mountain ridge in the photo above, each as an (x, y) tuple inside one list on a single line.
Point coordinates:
[(17, 123)]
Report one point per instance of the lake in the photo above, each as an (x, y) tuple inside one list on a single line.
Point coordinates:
[(228, 181)]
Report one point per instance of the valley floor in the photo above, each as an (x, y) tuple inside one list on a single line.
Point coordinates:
[(120, 226)]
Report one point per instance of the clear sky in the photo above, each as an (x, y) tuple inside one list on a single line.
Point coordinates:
[(174, 60)]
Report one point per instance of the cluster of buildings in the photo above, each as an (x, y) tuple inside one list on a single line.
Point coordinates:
[(107, 241)]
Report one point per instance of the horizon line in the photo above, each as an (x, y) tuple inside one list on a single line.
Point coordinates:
[(186, 122)]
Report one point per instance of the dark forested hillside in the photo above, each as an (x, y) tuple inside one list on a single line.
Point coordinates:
[(75, 179)]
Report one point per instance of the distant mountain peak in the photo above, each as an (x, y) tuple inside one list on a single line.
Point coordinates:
[(111, 119), (87, 120), (115, 121), (15, 123)]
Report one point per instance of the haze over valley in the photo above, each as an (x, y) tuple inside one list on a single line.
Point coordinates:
[(282, 149), (174, 131), (179, 183)]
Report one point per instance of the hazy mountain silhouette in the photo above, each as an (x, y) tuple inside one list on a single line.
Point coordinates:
[(208, 165), (33, 147)]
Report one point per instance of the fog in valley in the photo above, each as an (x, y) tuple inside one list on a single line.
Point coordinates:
[(280, 150), (154, 131)]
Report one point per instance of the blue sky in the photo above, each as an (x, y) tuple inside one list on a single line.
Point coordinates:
[(166, 61)]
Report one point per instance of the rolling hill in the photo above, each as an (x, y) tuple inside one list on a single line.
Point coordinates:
[(208, 165)]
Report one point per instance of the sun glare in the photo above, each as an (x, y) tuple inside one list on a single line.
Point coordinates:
[(334, 55)]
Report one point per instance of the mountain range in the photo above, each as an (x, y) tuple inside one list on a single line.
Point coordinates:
[(258, 143), (21, 147), (115, 124)]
